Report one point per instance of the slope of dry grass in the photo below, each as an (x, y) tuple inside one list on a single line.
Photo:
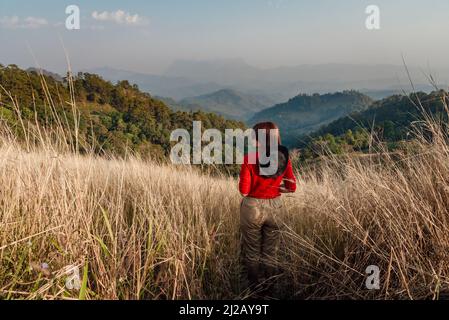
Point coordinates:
[(145, 230), (154, 231)]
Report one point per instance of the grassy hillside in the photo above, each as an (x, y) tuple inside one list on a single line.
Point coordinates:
[(306, 113), (138, 230)]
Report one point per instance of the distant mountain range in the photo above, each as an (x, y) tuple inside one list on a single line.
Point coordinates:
[(307, 113), (185, 79), (282, 83), (159, 85), (229, 103)]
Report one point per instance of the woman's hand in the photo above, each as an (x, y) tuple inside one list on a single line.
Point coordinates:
[(283, 189)]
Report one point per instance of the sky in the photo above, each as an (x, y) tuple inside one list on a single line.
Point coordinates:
[(147, 36)]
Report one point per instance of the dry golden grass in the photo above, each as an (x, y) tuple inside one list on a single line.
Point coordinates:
[(140, 230), (156, 231), (146, 231)]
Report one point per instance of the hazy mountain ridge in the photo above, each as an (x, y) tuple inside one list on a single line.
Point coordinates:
[(186, 78), (160, 85), (286, 81), (228, 102)]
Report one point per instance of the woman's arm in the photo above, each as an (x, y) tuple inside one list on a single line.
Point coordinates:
[(289, 179), (245, 179)]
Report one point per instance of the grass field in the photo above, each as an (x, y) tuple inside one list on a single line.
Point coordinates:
[(141, 230)]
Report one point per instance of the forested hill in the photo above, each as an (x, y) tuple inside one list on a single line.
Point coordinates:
[(230, 103), (307, 113), (118, 116), (390, 119)]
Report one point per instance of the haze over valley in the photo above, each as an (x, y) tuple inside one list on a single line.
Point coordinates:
[(186, 79)]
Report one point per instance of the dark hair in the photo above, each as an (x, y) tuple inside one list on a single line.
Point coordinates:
[(283, 154), (269, 127)]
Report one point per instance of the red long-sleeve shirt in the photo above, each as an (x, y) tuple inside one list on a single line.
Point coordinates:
[(255, 186)]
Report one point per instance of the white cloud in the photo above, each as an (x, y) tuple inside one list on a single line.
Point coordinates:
[(120, 17), (14, 22)]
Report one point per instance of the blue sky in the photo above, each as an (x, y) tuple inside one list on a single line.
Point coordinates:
[(265, 33)]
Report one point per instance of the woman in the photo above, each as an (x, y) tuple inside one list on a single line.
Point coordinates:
[(260, 206)]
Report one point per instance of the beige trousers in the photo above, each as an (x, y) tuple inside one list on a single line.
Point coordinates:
[(260, 237)]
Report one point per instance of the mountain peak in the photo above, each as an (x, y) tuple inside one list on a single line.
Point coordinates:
[(228, 102)]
